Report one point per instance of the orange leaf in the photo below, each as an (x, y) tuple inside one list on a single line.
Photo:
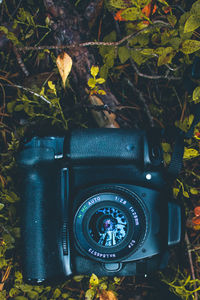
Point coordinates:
[(197, 211), (64, 64), (118, 16), (196, 220), (147, 9), (167, 9)]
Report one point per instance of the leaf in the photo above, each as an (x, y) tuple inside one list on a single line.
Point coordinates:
[(94, 280), (176, 192), (190, 153), (89, 295), (56, 293), (172, 20), (194, 191), (196, 94), (100, 80), (1, 206), (148, 51), (190, 46), (101, 92), (94, 71), (91, 82), (52, 86), (197, 211), (196, 220), (131, 14), (124, 54), (78, 278), (192, 23), (185, 194), (64, 64), (166, 56), (118, 3)]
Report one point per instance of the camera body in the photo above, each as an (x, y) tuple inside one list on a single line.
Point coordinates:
[(95, 201)]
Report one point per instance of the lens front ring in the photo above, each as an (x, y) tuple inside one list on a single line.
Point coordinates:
[(117, 211)]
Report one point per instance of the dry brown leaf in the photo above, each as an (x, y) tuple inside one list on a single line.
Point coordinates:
[(107, 295), (64, 64)]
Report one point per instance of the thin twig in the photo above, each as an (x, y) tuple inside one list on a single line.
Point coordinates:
[(86, 44), (153, 77), (191, 265), (142, 98), (30, 91)]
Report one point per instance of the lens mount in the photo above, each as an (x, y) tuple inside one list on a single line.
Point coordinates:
[(110, 224)]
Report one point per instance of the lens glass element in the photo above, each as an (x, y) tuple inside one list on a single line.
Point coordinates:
[(108, 226)]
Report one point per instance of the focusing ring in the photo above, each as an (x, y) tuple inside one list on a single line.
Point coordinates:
[(114, 209)]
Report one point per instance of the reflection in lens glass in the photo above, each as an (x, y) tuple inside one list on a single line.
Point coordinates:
[(108, 226)]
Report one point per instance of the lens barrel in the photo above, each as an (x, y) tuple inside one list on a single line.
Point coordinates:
[(111, 224)]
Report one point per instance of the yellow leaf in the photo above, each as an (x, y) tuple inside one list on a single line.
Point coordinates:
[(101, 92), (175, 192), (91, 82), (194, 191), (52, 86), (94, 280), (64, 64), (94, 71), (190, 153)]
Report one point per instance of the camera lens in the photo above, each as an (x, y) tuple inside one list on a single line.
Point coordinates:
[(108, 226), (111, 224)]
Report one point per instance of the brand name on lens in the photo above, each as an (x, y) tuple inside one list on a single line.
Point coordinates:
[(103, 255)]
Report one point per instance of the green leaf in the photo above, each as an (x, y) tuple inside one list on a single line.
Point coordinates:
[(56, 293), (131, 14), (78, 278), (13, 292), (94, 71), (192, 23), (19, 107), (190, 46), (172, 20), (118, 3), (148, 51), (100, 80), (21, 298), (138, 57), (1, 206), (196, 94), (33, 295), (166, 56), (124, 54), (194, 191), (92, 83)]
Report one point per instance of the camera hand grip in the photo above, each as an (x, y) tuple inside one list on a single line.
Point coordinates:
[(42, 219)]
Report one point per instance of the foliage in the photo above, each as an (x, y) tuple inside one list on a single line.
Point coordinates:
[(94, 82), (161, 40)]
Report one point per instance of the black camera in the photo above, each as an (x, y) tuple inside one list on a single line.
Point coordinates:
[(96, 200)]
